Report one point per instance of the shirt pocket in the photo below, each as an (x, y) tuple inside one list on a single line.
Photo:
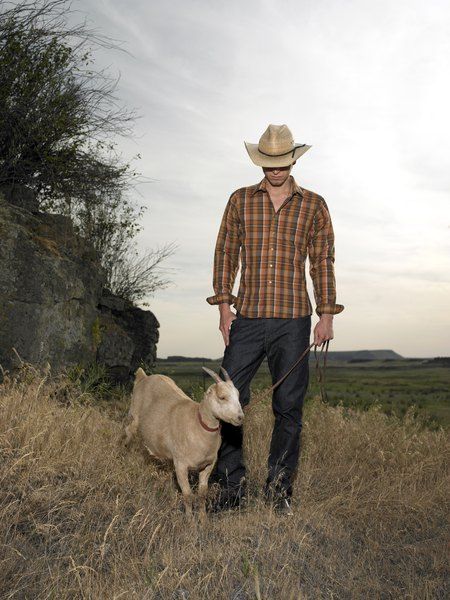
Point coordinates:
[(288, 235)]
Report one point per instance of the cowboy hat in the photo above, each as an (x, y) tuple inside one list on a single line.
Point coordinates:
[(276, 148)]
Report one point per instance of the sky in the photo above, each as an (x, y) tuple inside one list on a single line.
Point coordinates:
[(364, 83)]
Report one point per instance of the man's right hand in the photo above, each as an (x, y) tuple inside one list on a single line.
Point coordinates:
[(227, 316)]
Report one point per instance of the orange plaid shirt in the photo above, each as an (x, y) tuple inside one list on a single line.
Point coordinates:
[(272, 247)]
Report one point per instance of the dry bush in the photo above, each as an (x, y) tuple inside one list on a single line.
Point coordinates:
[(82, 518)]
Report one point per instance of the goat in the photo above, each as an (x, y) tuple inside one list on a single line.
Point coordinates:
[(173, 426)]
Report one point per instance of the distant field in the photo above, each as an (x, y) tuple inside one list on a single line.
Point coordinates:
[(395, 385)]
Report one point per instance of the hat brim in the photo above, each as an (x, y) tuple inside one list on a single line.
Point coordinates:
[(262, 160)]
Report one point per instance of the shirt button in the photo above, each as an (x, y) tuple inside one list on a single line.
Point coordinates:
[(270, 282), (270, 265)]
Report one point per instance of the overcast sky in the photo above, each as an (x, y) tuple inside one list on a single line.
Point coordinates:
[(365, 83)]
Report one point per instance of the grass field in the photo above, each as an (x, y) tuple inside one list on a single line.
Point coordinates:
[(394, 385), (80, 517)]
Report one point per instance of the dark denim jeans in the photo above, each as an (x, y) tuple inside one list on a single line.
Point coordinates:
[(282, 341)]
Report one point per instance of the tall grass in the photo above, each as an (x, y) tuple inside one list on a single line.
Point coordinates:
[(82, 518)]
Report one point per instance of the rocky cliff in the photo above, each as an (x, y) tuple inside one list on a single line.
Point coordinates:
[(53, 303)]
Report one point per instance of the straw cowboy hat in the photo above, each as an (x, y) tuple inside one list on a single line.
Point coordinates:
[(276, 148)]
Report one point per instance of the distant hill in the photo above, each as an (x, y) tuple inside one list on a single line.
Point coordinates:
[(177, 358), (354, 355), (345, 355)]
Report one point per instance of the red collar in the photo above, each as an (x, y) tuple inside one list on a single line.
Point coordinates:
[(205, 426)]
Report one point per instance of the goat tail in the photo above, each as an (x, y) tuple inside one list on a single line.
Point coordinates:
[(140, 374)]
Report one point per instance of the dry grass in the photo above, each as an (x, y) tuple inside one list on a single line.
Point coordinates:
[(82, 518)]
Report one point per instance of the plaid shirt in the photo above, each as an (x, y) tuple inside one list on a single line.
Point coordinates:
[(272, 247)]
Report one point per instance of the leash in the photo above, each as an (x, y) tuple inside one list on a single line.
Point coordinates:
[(320, 371)]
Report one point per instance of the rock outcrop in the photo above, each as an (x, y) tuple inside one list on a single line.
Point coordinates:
[(127, 336), (53, 303)]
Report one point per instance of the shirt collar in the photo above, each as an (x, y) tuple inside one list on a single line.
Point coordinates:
[(295, 188)]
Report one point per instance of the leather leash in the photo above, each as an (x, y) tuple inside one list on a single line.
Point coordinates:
[(320, 371)]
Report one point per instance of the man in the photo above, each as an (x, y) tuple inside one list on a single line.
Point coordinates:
[(271, 227)]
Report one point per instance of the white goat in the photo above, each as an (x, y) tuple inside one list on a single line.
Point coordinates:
[(173, 426)]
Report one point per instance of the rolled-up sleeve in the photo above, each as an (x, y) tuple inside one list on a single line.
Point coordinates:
[(321, 262), (226, 256)]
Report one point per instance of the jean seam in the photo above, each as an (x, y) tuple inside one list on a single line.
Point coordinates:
[(265, 336)]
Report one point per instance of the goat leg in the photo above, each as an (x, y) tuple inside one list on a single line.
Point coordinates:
[(130, 430), (183, 481), (203, 478)]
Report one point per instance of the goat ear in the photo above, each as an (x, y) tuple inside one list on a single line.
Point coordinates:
[(213, 375), (227, 377)]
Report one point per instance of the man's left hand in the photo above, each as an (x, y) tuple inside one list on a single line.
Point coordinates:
[(323, 331)]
